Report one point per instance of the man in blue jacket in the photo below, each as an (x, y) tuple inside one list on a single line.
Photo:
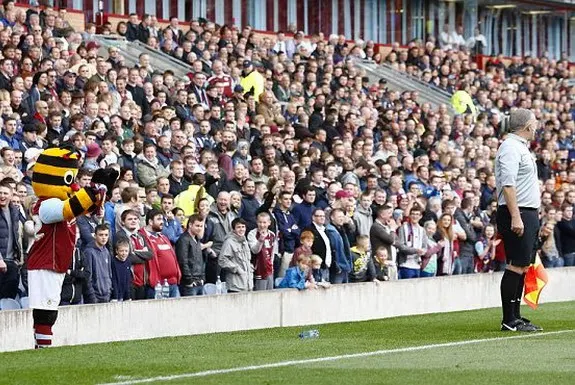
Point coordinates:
[(172, 227), (288, 230), (339, 242)]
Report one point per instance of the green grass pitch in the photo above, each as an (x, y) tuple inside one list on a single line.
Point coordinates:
[(544, 358)]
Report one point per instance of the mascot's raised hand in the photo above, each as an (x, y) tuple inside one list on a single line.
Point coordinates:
[(60, 202)]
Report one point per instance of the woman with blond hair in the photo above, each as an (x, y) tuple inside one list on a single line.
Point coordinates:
[(445, 234)]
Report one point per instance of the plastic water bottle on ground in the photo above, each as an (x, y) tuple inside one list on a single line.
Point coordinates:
[(218, 286), (158, 291), (309, 334), (166, 289)]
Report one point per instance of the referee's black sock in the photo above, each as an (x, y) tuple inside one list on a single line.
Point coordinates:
[(509, 284), (519, 296)]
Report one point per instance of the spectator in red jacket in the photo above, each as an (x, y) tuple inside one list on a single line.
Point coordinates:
[(164, 265)]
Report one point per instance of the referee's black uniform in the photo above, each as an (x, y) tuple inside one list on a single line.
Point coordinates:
[(515, 167)]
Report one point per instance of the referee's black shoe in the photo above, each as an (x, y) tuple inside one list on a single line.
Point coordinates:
[(528, 322), (519, 325)]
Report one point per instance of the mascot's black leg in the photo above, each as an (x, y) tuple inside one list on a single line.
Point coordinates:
[(43, 322)]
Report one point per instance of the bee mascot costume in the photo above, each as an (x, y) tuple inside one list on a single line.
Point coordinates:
[(60, 202)]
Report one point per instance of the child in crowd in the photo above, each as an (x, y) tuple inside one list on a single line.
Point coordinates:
[(93, 151), (108, 155), (363, 267), (429, 259), (314, 274), (261, 241), (385, 269), (306, 239), (121, 272), (485, 249), (98, 264), (295, 277)]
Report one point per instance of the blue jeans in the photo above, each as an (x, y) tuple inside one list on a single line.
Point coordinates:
[(466, 264), (325, 275), (174, 292), (340, 278), (425, 274), (456, 268), (569, 259), (407, 273), (555, 262), (187, 291)]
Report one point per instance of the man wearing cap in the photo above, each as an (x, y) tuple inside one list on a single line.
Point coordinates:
[(519, 201), (29, 140), (252, 81), (67, 83), (238, 95)]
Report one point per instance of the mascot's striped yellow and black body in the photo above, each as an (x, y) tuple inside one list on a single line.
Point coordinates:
[(60, 202)]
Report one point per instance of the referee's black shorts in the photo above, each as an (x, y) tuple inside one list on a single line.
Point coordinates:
[(519, 251)]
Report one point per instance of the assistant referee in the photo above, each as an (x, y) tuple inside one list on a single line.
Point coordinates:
[(519, 200)]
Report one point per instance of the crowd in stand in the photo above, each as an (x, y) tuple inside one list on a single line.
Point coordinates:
[(274, 163)]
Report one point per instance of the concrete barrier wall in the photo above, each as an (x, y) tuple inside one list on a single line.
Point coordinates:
[(259, 310)]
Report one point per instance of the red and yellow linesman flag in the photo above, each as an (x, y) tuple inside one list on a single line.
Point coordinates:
[(535, 280)]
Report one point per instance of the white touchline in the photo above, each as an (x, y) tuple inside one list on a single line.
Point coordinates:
[(332, 358)]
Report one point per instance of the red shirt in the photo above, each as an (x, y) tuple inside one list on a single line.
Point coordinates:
[(54, 246), (225, 81), (140, 270), (500, 250), (264, 260), (164, 264)]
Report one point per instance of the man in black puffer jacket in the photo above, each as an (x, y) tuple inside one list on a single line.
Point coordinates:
[(190, 258), (75, 286)]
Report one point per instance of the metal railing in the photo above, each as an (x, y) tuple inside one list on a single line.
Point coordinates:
[(401, 81), (131, 51)]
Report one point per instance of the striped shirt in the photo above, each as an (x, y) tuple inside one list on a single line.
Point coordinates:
[(515, 166)]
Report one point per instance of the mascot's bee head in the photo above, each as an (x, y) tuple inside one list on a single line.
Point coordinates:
[(54, 173)]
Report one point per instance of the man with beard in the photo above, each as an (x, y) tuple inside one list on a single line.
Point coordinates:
[(164, 264), (225, 152)]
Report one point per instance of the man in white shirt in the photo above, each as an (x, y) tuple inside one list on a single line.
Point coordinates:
[(280, 45), (458, 42), (477, 43), (446, 39), (321, 245)]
